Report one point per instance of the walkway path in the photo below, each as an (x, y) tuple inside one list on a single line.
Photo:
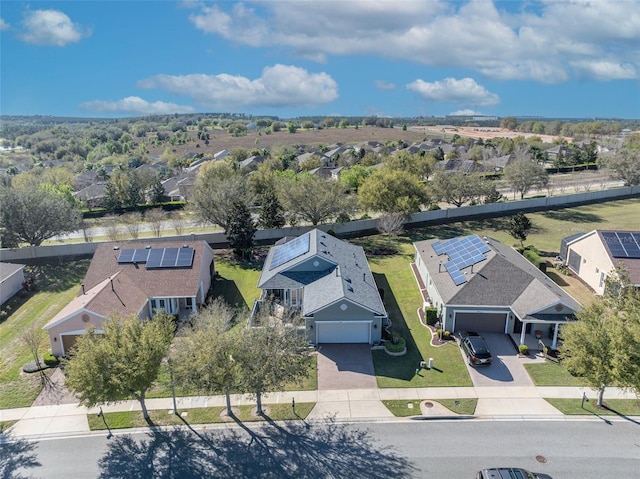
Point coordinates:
[(68, 419)]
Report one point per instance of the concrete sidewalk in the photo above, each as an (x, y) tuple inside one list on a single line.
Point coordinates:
[(352, 404)]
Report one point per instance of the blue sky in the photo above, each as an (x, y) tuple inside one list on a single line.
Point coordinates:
[(568, 58)]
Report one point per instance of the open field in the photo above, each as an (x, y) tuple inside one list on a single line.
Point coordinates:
[(485, 133)]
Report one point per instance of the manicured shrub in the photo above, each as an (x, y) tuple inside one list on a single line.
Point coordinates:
[(431, 315), (50, 360), (535, 259), (395, 347), (446, 335), (524, 349)]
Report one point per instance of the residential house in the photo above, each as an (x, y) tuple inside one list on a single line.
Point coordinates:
[(594, 256), (11, 280), (327, 282), (134, 278), (483, 285), (93, 195)]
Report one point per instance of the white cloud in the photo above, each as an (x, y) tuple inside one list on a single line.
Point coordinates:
[(50, 27), (279, 86), (605, 70), (463, 92), (465, 113), (536, 43), (136, 106), (383, 85), (4, 25)]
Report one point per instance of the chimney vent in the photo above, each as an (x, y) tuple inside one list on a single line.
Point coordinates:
[(83, 291)]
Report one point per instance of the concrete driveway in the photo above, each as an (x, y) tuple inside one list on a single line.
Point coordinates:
[(345, 366), (507, 368)]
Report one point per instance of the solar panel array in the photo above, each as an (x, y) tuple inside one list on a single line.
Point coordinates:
[(291, 250), (462, 252), (623, 245), (159, 257)]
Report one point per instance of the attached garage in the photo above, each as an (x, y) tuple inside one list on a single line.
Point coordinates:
[(481, 322), (68, 342), (343, 332)]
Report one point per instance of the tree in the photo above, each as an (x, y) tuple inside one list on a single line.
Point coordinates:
[(603, 345), (519, 227), (32, 338), (392, 191), (122, 362), (457, 187), (155, 217), (624, 165), (390, 224), (216, 189), (271, 211), (522, 175), (203, 359), (492, 195), (418, 165), (292, 127), (313, 199), (240, 229), (32, 215), (509, 122), (353, 177), (271, 356), (132, 222), (157, 193)]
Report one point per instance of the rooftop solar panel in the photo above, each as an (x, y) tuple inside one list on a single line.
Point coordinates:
[(629, 244), (462, 253), (613, 243), (155, 258), (169, 258), (438, 248), (126, 256), (293, 249), (140, 255), (185, 258)]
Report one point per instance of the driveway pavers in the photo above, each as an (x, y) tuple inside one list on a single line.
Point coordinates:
[(345, 366)]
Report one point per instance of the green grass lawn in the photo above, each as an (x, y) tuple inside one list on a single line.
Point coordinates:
[(209, 415), (614, 407), (551, 373), (56, 284), (402, 300), (237, 282), (406, 408)]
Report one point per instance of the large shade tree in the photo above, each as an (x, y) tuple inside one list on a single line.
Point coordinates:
[(624, 165), (392, 191), (458, 188), (203, 360), (122, 362), (603, 345), (32, 215), (524, 174)]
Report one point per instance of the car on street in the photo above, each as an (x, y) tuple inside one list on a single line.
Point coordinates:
[(476, 349), (509, 473)]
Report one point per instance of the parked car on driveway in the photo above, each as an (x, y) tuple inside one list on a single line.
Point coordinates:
[(509, 473), (476, 350)]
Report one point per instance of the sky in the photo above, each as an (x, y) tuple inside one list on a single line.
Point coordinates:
[(549, 58)]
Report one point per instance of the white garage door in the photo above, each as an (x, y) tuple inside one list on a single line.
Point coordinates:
[(343, 331)]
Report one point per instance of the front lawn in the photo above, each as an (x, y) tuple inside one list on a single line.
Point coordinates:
[(205, 415), (551, 373), (402, 300), (614, 407), (56, 283)]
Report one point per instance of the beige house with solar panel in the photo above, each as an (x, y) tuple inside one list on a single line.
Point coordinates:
[(594, 256), (138, 279), (480, 284)]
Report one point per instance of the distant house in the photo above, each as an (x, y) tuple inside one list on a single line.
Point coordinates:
[(252, 161), (11, 280), (93, 195), (328, 283), (559, 152), (221, 155), (594, 256), (134, 278), (480, 284)]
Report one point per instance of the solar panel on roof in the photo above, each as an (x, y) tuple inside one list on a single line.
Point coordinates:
[(140, 255), (462, 253), (293, 249), (185, 258), (169, 258), (438, 248), (155, 258), (126, 256), (629, 244), (613, 243)]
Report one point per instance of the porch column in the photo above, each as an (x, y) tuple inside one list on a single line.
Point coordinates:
[(554, 343), (193, 304), (523, 333)]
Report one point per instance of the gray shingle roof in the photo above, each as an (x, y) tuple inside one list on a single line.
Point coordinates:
[(344, 274), (504, 279)]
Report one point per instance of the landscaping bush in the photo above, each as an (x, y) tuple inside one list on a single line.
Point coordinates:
[(50, 360), (446, 335), (524, 349), (535, 259), (396, 347), (431, 316)]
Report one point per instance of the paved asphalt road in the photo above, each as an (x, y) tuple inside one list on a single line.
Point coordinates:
[(424, 449)]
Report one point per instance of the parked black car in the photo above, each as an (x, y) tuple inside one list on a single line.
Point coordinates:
[(509, 473), (476, 350)]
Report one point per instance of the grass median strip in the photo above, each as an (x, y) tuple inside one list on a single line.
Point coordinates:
[(406, 408), (613, 407), (551, 373), (206, 415)]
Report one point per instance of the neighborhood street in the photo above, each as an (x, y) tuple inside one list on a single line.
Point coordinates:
[(564, 449)]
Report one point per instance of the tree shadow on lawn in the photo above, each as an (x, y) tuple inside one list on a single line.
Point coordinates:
[(398, 367), (56, 274), (228, 290), (269, 451), (572, 216)]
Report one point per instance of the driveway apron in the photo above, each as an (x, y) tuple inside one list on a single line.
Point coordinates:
[(507, 368), (345, 366)]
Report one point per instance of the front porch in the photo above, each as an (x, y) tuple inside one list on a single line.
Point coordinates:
[(534, 344)]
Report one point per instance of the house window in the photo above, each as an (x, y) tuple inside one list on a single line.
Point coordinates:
[(294, 297), (602, 277), (189, 303)]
